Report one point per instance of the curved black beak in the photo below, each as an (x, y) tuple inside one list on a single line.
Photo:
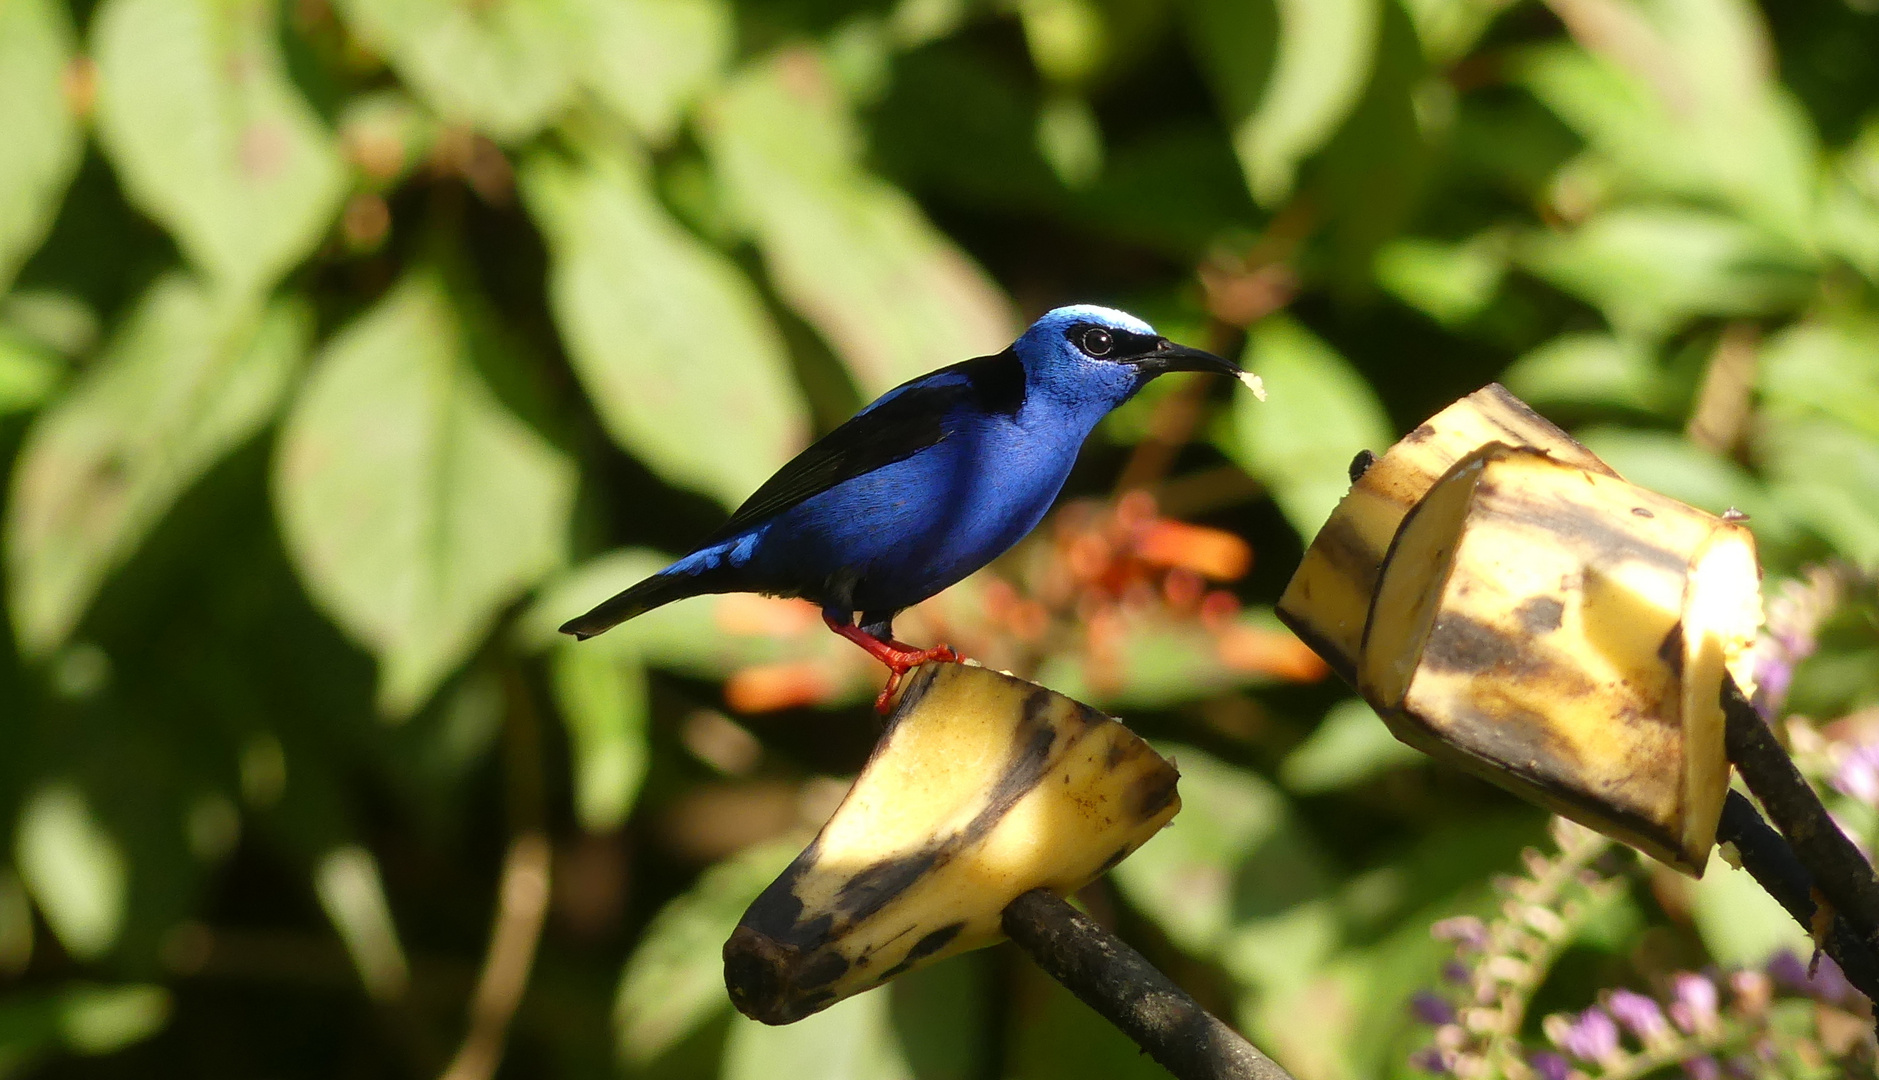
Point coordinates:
[(1167, 356)]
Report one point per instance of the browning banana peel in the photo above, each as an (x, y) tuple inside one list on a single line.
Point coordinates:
[(983, 787), (1509, 604), (1328, 598)]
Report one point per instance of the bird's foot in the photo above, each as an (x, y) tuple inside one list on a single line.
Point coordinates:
[(899, 657)]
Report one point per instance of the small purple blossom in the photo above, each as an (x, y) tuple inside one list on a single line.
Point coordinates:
[(1432, 1060), (1431, 1008), (1823, 981), (1694, 1003), (1549, 1066), (1593, 1037), (1457, 972), (1467, 932), (1858, 774), (1640, 1015), (1702, 1068), (1741, 1067)]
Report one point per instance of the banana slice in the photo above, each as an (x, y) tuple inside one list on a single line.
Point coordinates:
[(1564, 633), (983, 787), (1328, 598)]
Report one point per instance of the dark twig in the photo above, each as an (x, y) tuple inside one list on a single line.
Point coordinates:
[(1774, 866), (1130, 993), (1838, 869)]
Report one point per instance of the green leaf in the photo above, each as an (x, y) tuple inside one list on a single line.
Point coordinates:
[(84, 1018), (1324, 56), (504, 66), (352, 893), (414, 505), (1452, 283), (648, 60), (1683, 101), (1350, 746), (1588, 368), (186, 380), (1319, 413), (850, 1040), (1449, 28), (1741, 925), (1826, 368), (1827, 477), (852, 254), (674, 981), (74, 868), (27, 373), (602, 697), (1652, 268), (43, 141), (670, 339), (211, 138), (1232, 853)]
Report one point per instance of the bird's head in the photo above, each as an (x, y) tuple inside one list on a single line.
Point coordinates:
[(1104, 356)]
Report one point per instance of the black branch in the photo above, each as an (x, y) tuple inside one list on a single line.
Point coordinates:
[(1765, 854), (1130, 993), (1837, 868)]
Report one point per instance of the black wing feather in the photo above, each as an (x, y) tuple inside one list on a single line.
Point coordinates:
[(894, 430)]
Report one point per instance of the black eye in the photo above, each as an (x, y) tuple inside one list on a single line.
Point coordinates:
[(1097, 342)]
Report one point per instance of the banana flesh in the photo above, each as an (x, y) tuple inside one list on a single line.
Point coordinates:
[(983, 787), (1564, 633), (1328, 599)]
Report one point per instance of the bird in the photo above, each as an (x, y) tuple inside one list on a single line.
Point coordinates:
[(933, 480)]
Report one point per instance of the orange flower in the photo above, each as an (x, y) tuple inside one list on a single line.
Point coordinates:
[(772, 687), (1271, 652)]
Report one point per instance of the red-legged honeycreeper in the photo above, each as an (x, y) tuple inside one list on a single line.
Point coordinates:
[(935, 479)]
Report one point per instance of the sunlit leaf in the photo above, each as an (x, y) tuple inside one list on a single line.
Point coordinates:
[(602, 698), (106, 1019), (504, 66), (415, 506), (1452, 283), (1651, 268), (1449, 28), (852, 254), (1826, 476), (1318, 414), (1828, 368), (1232, 853), (674, 981), (209, 135), (187, 379), (1350, 746), (1590, 368), (1324, 57), (670, 339), (42, 138), (650, 59), (850, 1040), (74, 868), (1681, 98)]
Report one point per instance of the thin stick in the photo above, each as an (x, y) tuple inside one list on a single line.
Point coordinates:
[(1130, 993), (1774, 866), (1838, 869), (519, 912)]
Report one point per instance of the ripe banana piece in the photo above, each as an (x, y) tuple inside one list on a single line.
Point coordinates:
[(1328, 599), (1565, 633), (983, 787), (1511, 605)]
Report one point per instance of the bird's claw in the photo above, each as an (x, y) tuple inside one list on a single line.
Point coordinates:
[(904, 660)]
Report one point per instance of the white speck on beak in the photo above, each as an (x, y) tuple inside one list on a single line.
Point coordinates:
[(1252, 383)]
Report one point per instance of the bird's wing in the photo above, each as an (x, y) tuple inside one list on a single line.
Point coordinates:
[(904, 421)]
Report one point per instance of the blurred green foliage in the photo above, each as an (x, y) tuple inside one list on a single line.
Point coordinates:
[(348, 346)]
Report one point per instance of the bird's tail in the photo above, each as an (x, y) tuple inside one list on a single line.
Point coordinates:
[(694, 575)]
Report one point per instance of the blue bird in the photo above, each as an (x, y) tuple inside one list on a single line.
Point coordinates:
[(935, 479)]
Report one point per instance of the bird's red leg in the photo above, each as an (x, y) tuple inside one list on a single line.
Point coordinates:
[(899, 657)]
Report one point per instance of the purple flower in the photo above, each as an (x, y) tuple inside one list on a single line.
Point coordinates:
[(1593, 1037), (1549, 1066), (1824, 982), (1741, 1067), (1467, 932), (1640, 1015), (1431, 1009), (1457, 972), (1694, 1003), (1788, 972), (1858, 774), (1702, 1068), (1432, 1060)]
